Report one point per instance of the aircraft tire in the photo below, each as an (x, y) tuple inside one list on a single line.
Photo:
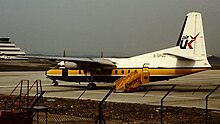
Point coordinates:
[(91, 86), (55, 83)]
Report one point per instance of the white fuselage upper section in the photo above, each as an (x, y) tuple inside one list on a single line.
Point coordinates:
[(159, 59)]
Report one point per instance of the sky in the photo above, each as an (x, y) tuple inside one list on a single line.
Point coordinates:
[(116, 27)]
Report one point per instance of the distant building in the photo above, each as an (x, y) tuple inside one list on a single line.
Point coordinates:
[(8, 50), (9, 60)]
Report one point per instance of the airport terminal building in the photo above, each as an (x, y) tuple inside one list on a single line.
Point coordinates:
[(8, 50)]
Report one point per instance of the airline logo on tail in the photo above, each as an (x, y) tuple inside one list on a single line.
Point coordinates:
[(186, 41)]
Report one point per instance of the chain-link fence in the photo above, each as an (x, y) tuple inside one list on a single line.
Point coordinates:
[(165, 108)]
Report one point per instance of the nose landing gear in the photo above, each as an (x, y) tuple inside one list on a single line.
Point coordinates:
[(55, 83)]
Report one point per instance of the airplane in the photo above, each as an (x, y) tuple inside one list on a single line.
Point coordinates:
[(186, 57)]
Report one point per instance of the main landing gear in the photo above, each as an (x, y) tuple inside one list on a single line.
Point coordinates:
[(91, 86)]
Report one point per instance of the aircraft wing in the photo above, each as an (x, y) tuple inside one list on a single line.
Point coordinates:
[(82, 63)]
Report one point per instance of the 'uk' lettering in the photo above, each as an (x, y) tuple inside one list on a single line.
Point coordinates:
[(184, 42)]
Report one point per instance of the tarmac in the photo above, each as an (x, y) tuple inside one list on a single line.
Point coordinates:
[(190, 90)]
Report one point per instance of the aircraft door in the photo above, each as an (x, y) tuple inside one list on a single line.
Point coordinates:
[(145, 75), (65, 74)]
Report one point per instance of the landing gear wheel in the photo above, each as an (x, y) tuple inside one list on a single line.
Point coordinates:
[(91, 86), (55, 83)]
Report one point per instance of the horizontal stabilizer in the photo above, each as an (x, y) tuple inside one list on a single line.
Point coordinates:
[(192, 58)]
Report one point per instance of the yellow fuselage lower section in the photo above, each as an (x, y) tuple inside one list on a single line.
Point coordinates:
[(156, 74)]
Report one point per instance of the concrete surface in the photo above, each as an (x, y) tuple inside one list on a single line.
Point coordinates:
[(190, 91)]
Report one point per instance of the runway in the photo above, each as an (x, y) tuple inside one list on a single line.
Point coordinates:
[(190, 91)]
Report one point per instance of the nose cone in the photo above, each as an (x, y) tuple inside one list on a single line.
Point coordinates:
[(46, 73), (53, 72)]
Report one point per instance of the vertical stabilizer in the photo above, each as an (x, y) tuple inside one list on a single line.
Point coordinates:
[(191, 40)]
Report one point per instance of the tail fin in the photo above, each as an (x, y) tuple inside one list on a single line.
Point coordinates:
[(191, 39)]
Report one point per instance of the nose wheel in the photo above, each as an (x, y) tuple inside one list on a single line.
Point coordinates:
[(55, 83)]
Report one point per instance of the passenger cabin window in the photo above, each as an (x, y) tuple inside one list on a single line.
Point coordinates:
[(128, 71), (122, 71), (79, 71), (116, 71)]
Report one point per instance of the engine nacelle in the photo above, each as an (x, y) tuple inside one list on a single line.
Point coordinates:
[(68, 65)]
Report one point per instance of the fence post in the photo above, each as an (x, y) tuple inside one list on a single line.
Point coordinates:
[(100, 117), (206, 103), (161, 106)]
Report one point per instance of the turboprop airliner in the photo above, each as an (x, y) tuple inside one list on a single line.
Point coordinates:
[(186, 57)]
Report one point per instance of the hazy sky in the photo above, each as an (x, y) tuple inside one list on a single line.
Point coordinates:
[(116, 27)]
